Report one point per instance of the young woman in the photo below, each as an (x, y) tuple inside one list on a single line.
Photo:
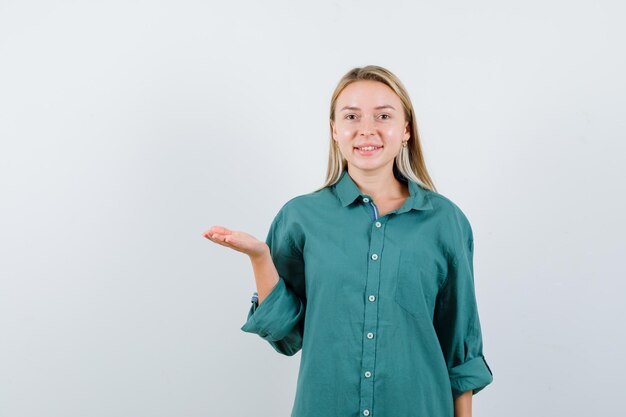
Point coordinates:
[(370, 276)]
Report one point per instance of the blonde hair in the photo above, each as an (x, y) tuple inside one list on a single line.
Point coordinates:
[(409, 164)]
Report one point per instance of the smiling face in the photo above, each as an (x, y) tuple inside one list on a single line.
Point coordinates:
[(369, 113)]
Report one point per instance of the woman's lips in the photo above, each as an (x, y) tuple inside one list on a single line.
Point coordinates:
[(368, 153)]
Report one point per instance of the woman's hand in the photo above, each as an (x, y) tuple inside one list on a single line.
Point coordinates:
[(265, 272), (239, 241)]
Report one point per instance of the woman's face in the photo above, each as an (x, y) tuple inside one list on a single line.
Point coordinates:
[(369, 113)]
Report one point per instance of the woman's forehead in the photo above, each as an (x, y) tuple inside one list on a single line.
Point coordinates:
[(366, 94)]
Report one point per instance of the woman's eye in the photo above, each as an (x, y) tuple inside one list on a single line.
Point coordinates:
[(385, 116), (349, 117)]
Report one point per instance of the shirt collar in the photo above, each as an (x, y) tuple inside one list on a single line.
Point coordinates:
[(347, 191)]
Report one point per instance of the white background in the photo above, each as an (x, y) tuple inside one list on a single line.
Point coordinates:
[(128, 128)]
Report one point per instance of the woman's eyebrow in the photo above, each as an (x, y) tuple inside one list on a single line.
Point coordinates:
[(385, 106)]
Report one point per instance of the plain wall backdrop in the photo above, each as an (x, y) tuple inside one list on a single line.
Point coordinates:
[(128, 128)]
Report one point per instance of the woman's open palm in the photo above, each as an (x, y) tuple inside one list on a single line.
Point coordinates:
[(237, 240)]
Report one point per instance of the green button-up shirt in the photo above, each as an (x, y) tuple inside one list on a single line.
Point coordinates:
[(382, 308)]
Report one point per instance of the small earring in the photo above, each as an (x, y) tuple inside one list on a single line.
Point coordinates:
[(404, 144)]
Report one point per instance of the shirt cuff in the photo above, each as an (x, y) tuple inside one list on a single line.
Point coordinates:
[(276, 316), (473, 375)]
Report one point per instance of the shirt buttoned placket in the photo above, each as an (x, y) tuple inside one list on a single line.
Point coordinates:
[(370, 323)]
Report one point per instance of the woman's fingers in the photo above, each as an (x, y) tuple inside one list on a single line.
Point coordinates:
[(216, 237), (224, 240), (216, 230), (222, 230), (222, 236), (234, 239)]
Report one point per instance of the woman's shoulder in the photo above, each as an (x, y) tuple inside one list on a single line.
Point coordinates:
[(299, 210), (446, 207), (311, 200)]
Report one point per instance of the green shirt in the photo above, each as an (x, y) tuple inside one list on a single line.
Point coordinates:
[(383, 308)]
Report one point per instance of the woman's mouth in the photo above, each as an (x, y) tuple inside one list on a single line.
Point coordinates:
[(368, 150)]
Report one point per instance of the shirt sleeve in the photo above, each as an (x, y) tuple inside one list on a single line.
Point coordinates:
[(457, 322), (279, 319)]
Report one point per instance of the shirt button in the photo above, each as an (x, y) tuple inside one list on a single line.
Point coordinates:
[(374, 256), (371, 297), (366, 412), (368, 374), (370, 335), (378, 224), (366, 200)]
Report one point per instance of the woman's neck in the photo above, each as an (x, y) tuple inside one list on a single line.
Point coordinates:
[(381, 187)]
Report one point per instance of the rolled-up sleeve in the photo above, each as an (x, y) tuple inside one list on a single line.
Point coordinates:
[(457, 322), (279, 318)]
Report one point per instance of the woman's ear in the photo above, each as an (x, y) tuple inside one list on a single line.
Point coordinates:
[(407, 131), (332, 128)]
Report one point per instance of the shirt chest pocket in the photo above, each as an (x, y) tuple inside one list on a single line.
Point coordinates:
[(416, 287)]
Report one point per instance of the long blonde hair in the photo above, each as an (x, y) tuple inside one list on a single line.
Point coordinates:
[(409, 163)]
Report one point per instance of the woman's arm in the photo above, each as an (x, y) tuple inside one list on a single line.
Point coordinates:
[(265, 273), (277, 310), (463, 405), (456, 318)]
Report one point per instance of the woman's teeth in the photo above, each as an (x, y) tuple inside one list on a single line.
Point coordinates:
[(369, 148)]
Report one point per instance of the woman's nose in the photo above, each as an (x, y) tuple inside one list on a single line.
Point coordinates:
[(367, 127)]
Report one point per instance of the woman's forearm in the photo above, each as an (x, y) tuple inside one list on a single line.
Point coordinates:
[(265, 274), (463, 405)]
